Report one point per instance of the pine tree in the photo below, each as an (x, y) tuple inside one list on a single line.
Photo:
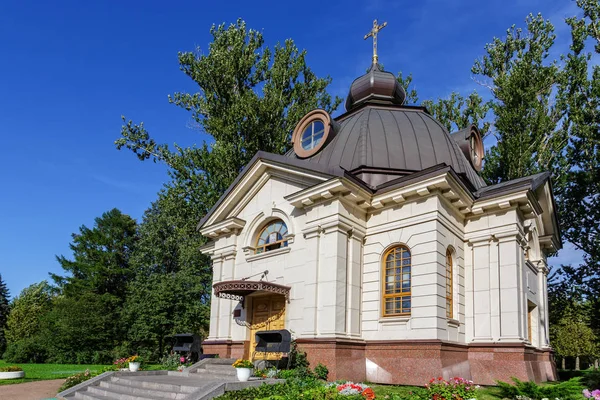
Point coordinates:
[(4, 310)]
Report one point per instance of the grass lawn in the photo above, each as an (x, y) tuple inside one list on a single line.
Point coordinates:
[(485, 393), (39, 372)]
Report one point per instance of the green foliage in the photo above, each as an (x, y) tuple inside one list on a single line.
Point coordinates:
[(4, 311), (29, 349), (297, 357), (76, 379), (84, 328), (455, 388), (170, 361), (27, 309), (100, 257), (591, 380), (455, 112), (171, 292), (321, 371), (292, 389), (249, 98), (568, 390), (572, 337)]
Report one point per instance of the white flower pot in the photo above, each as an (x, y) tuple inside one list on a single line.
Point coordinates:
[(12, 375), (243, 374), (134, 366)]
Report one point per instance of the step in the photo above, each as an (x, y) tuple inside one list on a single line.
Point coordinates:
[(149, 384), (222, 361), (211, 375), (211, 372), (85, 395), (138, 392), (222, 369)]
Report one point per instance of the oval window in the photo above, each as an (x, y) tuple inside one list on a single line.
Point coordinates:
[(311, 133)]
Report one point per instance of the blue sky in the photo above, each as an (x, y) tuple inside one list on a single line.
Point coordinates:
[(70, 69)]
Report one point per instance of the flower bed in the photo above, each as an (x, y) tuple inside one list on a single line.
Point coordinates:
[(11, 372)]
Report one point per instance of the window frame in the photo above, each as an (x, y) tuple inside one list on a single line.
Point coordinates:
[(283, 241), (317, 115), (397, 296), (449, 283)]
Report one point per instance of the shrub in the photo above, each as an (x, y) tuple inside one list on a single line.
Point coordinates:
[(12, 368), (321, 371), (591, 380), (440, 389), (26, 350), (297, 358), (75, 380), (170, 362), (568, 390)]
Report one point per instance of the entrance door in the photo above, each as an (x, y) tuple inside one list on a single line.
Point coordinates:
[(268, 313)]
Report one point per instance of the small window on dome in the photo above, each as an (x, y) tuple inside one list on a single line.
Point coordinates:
[(272, 236), (312, 135)]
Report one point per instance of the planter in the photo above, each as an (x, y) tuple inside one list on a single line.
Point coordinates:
[(134, 366), (12, 375), (243, 374)]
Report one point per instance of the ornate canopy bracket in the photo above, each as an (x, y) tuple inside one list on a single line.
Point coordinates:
[(239, 289)]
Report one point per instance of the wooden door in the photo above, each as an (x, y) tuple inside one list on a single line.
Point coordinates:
[(268, 313)]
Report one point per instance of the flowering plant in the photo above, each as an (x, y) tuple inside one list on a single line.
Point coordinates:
[(241, 363), (592, 395), (135, 358), (121, 363), (455, 388), (351, 389)]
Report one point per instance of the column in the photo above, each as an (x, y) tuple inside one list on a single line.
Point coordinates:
[(215, 302), (544, 340), (511, 289), (354, 279), (226, 307), (312, 237), (481, 291), (332, 287)]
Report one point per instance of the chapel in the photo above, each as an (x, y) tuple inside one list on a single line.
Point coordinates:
[(378, 245)]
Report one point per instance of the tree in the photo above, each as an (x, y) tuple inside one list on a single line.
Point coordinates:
[(100, 257), (522, 79), (83, 329), (572, 337), (23, 324), (455, 112), (580, 206), (249, 98), (4, 311), (26, 310), (171, 292)]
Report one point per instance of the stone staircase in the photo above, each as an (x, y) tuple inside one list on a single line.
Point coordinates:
[(204, 380)]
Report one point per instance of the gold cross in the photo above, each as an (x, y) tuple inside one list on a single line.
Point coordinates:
[(373, 33)]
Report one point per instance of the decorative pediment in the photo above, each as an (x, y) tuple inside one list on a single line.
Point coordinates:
[(247, 185)]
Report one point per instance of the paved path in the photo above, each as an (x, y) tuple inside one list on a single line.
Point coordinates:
[(31, 390)]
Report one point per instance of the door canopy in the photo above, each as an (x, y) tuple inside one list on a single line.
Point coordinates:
[(238, 290)]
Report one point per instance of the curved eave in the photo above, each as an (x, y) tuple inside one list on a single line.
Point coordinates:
[(239, 289)]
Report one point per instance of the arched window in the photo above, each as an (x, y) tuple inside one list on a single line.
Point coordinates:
[(449, 291), (396, 282), (272, 236)]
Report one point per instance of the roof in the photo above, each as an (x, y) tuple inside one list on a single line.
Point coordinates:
[(399, 140), (531, 182), (331, 171)]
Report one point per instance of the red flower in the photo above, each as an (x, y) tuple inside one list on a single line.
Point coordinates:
[(368, 394)]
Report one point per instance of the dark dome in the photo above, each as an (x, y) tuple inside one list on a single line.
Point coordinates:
[(375, 86), (379, 143)]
